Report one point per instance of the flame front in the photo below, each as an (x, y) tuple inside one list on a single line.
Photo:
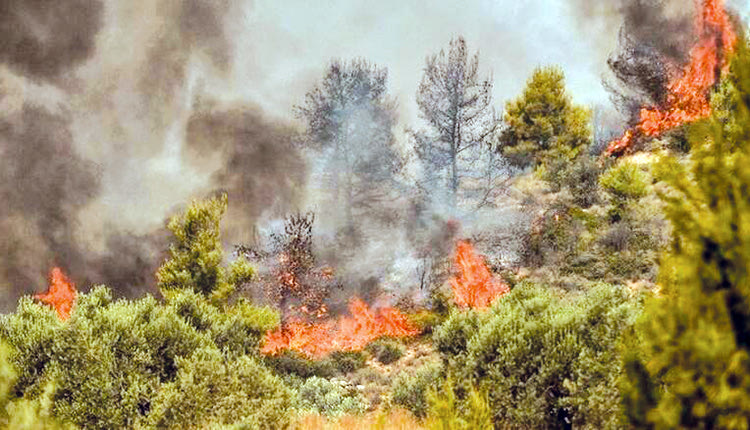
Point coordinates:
[(688, 94), (348, 333), (473, 285), (61, 293)]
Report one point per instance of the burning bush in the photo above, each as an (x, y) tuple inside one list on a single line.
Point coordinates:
[(474, 286), (116, 364), (347, 333), (687, 95), (61, 293), (689, 363)]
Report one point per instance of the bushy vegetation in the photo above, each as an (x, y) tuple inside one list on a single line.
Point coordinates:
[(689, 360), (410, 388), (385, 350), (124, 363), (542, 360), (631, 308), (329, 398)]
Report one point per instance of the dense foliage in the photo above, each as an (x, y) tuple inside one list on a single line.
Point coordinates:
[(543, 126), (691, 362), (544, 361), (123, 363)]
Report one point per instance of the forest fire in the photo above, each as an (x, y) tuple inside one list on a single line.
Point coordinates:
[(347, 333), (61, 293), (688, 93), (473, 285)]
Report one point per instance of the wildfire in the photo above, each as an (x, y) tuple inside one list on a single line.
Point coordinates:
[(688, 94), (347, 333), (61, 293), (474, 286)]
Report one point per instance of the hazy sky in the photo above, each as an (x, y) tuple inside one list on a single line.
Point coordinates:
[(285, 45)]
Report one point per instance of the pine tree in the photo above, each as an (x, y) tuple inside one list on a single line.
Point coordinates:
[(543, 126), (691, 366), (197, 253), (456, 103)]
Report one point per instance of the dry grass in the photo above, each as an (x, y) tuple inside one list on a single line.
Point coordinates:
[(397, 419)]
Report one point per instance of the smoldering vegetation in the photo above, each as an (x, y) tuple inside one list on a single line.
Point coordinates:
[(119, 113), (654, 40)]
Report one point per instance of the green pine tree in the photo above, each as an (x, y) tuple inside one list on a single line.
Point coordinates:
[(197, 255), (543, 126), (688, 364)]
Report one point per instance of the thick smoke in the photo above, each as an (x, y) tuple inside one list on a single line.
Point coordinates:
[(114, 114), (43, 39), (654, 39), (663, 25), (262, 170), (97, 100), (44, 183)]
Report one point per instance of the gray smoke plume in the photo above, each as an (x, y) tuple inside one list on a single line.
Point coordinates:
[(664, 25), (97, 100), (43, 39), (44, 183), (262, 170)]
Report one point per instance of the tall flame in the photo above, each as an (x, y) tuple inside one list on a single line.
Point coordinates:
[(473, 285), (61, 293), (688, 94), (348, 333)]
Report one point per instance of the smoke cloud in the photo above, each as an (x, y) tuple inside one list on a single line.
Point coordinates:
[(262, 170), (43, 39)]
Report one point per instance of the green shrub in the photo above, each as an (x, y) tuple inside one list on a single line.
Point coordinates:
[(196, 254), (625, 180), (425, 320), (448, 413), (385, 350), (22, 414), (109, 360), (626, 183), (410, 388), (329, 398), (581, 179), (543, 361), (347, 361), (451, 338), (211, 390), (294, 363)]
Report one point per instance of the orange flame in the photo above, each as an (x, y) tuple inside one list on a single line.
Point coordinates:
[(688, 96), (61, 293), (348, 333), (474, 286)]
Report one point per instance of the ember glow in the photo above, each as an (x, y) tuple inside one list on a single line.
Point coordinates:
[(61, 293), (473, 285), (688, 96), (347, 333)]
